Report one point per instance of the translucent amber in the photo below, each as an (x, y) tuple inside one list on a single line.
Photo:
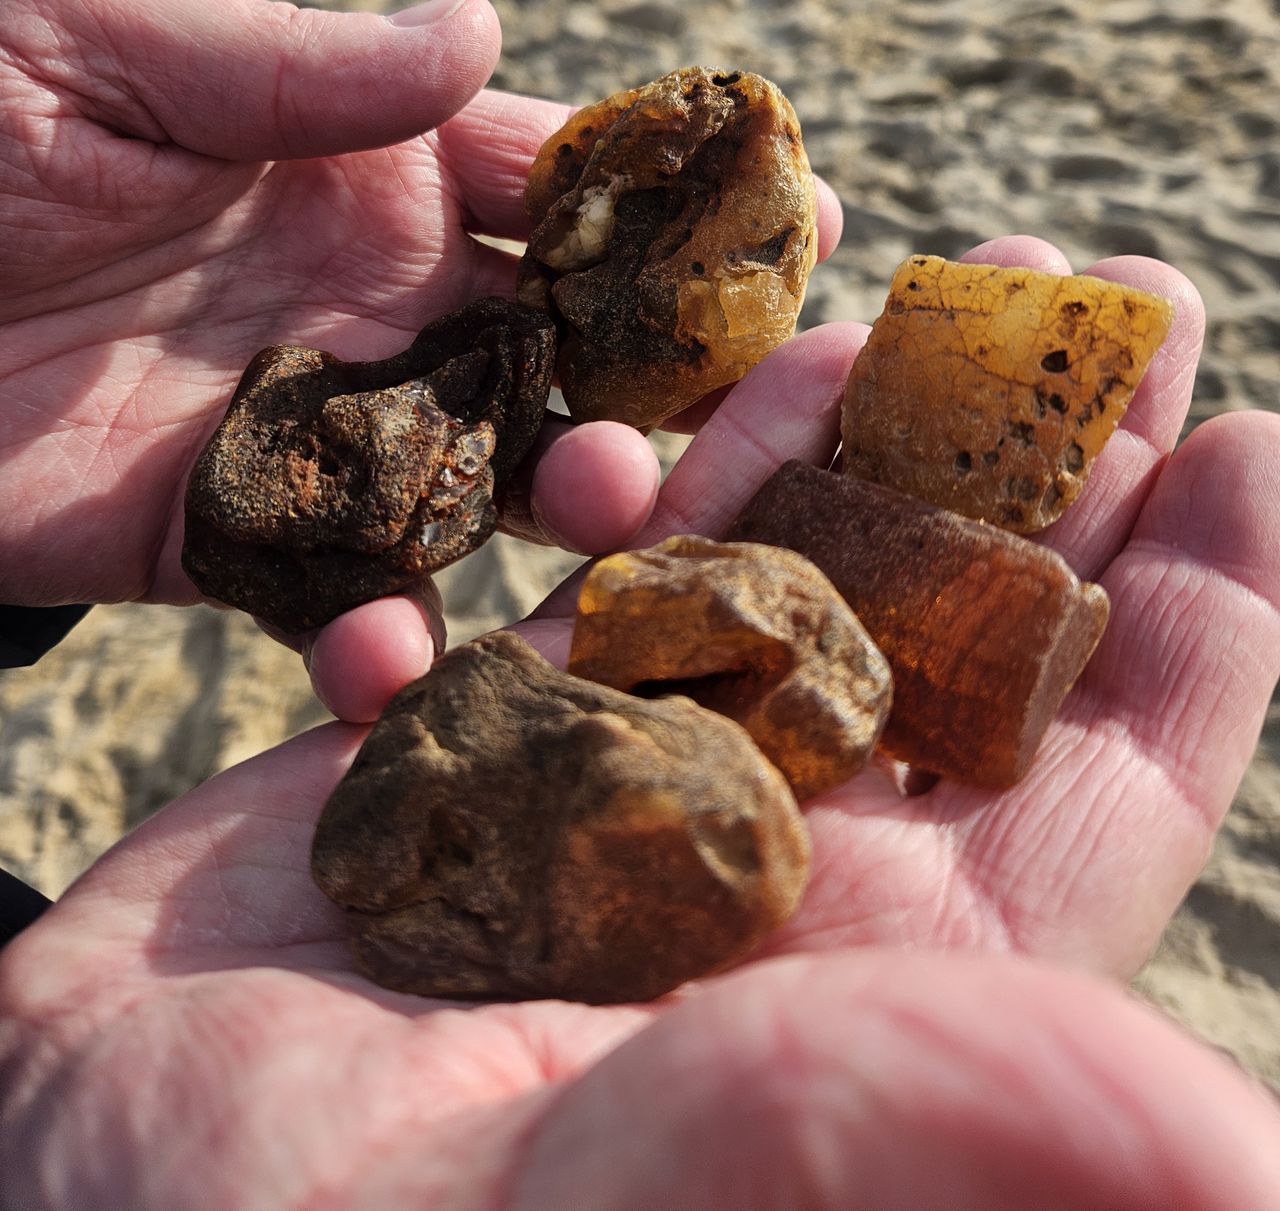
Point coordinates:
[(752, 632), (674, 235), (985, 632), (508, 830), (990, 391)]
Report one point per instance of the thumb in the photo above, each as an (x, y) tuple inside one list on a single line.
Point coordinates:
[(252, 80)]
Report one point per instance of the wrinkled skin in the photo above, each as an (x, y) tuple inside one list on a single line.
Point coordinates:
[(185, 1027), (152, 247)]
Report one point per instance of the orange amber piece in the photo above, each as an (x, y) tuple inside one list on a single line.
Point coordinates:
[(674, 229), (985, 632), (752, 632), (990, 391)]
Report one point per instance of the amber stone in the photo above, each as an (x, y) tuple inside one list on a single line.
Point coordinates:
[(510, 831), (674, 233), (752, 632), (330, 483), (990, 391), (985, 632)]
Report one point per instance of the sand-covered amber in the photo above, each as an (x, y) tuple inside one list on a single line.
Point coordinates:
[(990, 391), (674, 232), (752, 632), (985, 632)]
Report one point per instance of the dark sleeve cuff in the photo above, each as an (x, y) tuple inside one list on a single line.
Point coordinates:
[(19, 906), (27, 632)]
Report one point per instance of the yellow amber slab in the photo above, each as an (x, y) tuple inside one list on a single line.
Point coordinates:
[(990, 391)]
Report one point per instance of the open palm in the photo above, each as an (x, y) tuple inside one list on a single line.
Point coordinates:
[(185, 1028)]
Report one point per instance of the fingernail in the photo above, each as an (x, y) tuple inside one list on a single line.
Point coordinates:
[(426, 13)]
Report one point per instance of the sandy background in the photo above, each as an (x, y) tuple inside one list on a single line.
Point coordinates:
[(1130, 126)]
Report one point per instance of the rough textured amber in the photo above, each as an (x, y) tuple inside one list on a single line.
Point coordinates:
[(508, 830), (753, 632), (674, 234), (985, 631), (990, 391), (330, 483)]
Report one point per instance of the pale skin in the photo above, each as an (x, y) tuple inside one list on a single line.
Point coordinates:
[(185, 1028)]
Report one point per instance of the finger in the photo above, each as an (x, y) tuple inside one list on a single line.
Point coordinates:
[(1019, 251), (788, 406), (891, 1080), (360, 660), (590, 487), (486, 151), (256, 81), (484, 272), (830, 219), (488, 148), (692, 418)]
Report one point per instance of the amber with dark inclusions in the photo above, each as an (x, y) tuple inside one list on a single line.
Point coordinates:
[(330, 483), (674, 233), (985, 631), (752, 632), (991, 391), (510, 831)]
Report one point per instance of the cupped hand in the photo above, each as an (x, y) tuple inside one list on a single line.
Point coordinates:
[(182, 185), (1084, 860), (186, 1027)]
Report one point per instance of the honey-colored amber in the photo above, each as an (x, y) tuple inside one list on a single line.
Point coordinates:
[(752, 632), (985, 632), (990, 391), (674, 233)]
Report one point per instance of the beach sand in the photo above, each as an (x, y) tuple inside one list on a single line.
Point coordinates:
[(1131, 127)]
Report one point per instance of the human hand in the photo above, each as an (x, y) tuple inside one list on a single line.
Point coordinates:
[(153, 246), (184, 1029), (188, 1016), (1085, 860)]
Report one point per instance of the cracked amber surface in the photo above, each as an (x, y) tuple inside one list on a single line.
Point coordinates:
[(990, 391)]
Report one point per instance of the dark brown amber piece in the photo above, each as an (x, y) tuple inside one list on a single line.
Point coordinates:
[(752, 632), (330, 483), (674, 234), (510, 831), (990, 391), (985, 632)]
